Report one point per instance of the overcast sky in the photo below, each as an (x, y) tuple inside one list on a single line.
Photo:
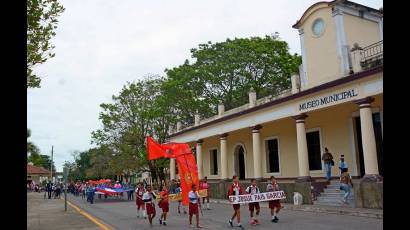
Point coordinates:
[(102, 44)]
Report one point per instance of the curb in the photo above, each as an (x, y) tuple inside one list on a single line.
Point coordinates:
[(99, 223), (330, 210)]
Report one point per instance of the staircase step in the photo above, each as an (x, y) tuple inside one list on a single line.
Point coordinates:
[(332, 195), (351, 204), (327, 199), (335, 193), (332, 190), (336, 186)]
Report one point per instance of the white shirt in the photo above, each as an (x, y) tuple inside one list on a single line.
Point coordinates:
[(252, 190), (147, 197), (193, 197)]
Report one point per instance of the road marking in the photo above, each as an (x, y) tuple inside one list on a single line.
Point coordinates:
[(84, 213)]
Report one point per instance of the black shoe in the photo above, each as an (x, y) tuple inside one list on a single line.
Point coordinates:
[(230, 223), (276, 218), (164, 223), (160, 222)]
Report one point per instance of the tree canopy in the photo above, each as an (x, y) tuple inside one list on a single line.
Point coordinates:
[(41, 25)]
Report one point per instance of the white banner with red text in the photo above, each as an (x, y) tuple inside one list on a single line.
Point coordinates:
[(259, 197)]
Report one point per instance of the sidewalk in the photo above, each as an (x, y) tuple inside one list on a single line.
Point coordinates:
[(48, 214), (363, 212)]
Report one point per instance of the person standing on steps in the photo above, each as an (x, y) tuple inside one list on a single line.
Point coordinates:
[(328, 160), (235, 189), (345, 183), (342, 164)]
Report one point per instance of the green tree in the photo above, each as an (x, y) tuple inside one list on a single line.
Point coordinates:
[(41, 25), (227, 71), (135, 113), (32, 149)]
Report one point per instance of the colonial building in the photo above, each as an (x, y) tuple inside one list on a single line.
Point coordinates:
[(336, 101)]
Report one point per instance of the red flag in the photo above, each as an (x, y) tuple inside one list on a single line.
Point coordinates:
[(188, 173), (169, 150), (187, 168)]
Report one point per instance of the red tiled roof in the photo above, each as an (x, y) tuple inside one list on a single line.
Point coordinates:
[(31, 169)]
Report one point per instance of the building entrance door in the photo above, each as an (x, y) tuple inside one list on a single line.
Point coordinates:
[(240, 162)]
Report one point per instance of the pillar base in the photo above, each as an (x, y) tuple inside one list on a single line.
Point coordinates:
[(304, 179), (371, 178)]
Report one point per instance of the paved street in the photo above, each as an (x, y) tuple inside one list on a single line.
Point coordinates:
[(45, 214), (121, 215)]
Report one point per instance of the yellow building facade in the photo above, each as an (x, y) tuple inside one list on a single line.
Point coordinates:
[(336, 101)]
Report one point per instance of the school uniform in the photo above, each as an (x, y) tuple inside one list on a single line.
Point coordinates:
[(253, 190), (149, 204), (273, 203), (164, 203), (193, 202), (235, 190), (139, 201)]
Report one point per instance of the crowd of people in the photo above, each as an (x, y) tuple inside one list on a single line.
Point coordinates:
[(145, 201)]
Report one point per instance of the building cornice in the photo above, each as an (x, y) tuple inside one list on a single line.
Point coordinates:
[(316, 89)]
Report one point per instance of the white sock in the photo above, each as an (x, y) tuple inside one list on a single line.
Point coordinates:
[(207, 205), (144, 213)]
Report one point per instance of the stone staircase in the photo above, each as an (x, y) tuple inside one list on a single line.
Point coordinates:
[(332, 196)]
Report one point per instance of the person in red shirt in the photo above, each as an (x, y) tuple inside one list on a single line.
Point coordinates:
[(164, 205), (205, 185), (235, 189), (139, 192)]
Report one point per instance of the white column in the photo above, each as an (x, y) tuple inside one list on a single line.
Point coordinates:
[(224, 156), (295, 79), (172, 168), (303, 159), (257, 155), (303, 73), (199, 158), (252, 98), (368, 139), (221, 109), (341, 43), (381, 28)]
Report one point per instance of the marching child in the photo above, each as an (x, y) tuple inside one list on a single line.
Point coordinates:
[(148, 199), (274, 205), (193, 206), (234, 190), (177, 191), (204, 185), (253, 189), (139, 192), (164, 205)]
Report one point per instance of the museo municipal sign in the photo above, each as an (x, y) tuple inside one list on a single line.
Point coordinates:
[(328, 99)]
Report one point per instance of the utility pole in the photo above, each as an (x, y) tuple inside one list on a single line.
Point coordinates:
[(65, 187), (51, 165)]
